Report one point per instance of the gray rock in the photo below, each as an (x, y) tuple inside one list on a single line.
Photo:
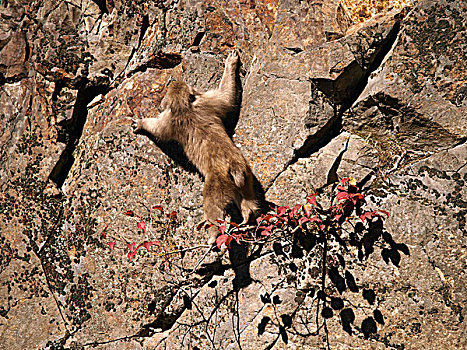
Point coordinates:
[(382, 102)]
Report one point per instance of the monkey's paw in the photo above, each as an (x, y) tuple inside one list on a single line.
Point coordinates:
[(212, 237), (232, 59), (137, 125)]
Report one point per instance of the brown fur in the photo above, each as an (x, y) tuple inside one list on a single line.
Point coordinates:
[(195, 120)]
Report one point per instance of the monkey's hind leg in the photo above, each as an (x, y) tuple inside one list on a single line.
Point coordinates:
[(215, 200), (248, 203)]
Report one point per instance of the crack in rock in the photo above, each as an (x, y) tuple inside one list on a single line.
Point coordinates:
[(72, 129), (332, 174), (343, 92), (348, 86), (161, 60)]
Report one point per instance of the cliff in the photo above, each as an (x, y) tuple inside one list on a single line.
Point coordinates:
[(331, 89)]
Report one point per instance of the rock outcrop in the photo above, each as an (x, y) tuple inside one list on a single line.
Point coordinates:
[(331, 89)]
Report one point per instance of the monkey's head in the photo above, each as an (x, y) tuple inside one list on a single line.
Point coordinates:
[(179, 98)]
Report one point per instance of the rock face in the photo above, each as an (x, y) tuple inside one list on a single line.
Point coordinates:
[(326, 94)]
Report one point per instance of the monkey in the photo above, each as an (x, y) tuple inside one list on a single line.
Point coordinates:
[(196, 121)]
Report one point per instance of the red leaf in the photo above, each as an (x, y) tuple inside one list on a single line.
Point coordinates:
[(371, 214), (265, 233), (204, 224), (266, 228), (142, 225), (148, 245), (222, 229), (104, 231), (129, 213), (312, 199), (237, 237), (345, 179), (158, 207), (342, 195), (200, 225), (223, 239), (279, 223), (302, 220), (282, 210), (355, 197), (366, 215), (295, 209), (341, 188), (112, 244), (318, 221), (132, 246), (262, 218), (172, 215), (315, 219), (131, 255), (307, 210)]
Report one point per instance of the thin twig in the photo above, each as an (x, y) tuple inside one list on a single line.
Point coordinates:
[(187, 249), (200, 260)]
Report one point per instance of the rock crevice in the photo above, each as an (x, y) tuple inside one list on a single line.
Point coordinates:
[(375, 94)]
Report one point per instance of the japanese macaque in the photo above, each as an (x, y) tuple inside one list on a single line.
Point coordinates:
[(196, 121)]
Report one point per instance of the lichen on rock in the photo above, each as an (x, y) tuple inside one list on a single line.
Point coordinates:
[(375, 91)]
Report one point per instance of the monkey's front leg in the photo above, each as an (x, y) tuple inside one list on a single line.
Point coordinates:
[(228, 84), (158, 127)]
